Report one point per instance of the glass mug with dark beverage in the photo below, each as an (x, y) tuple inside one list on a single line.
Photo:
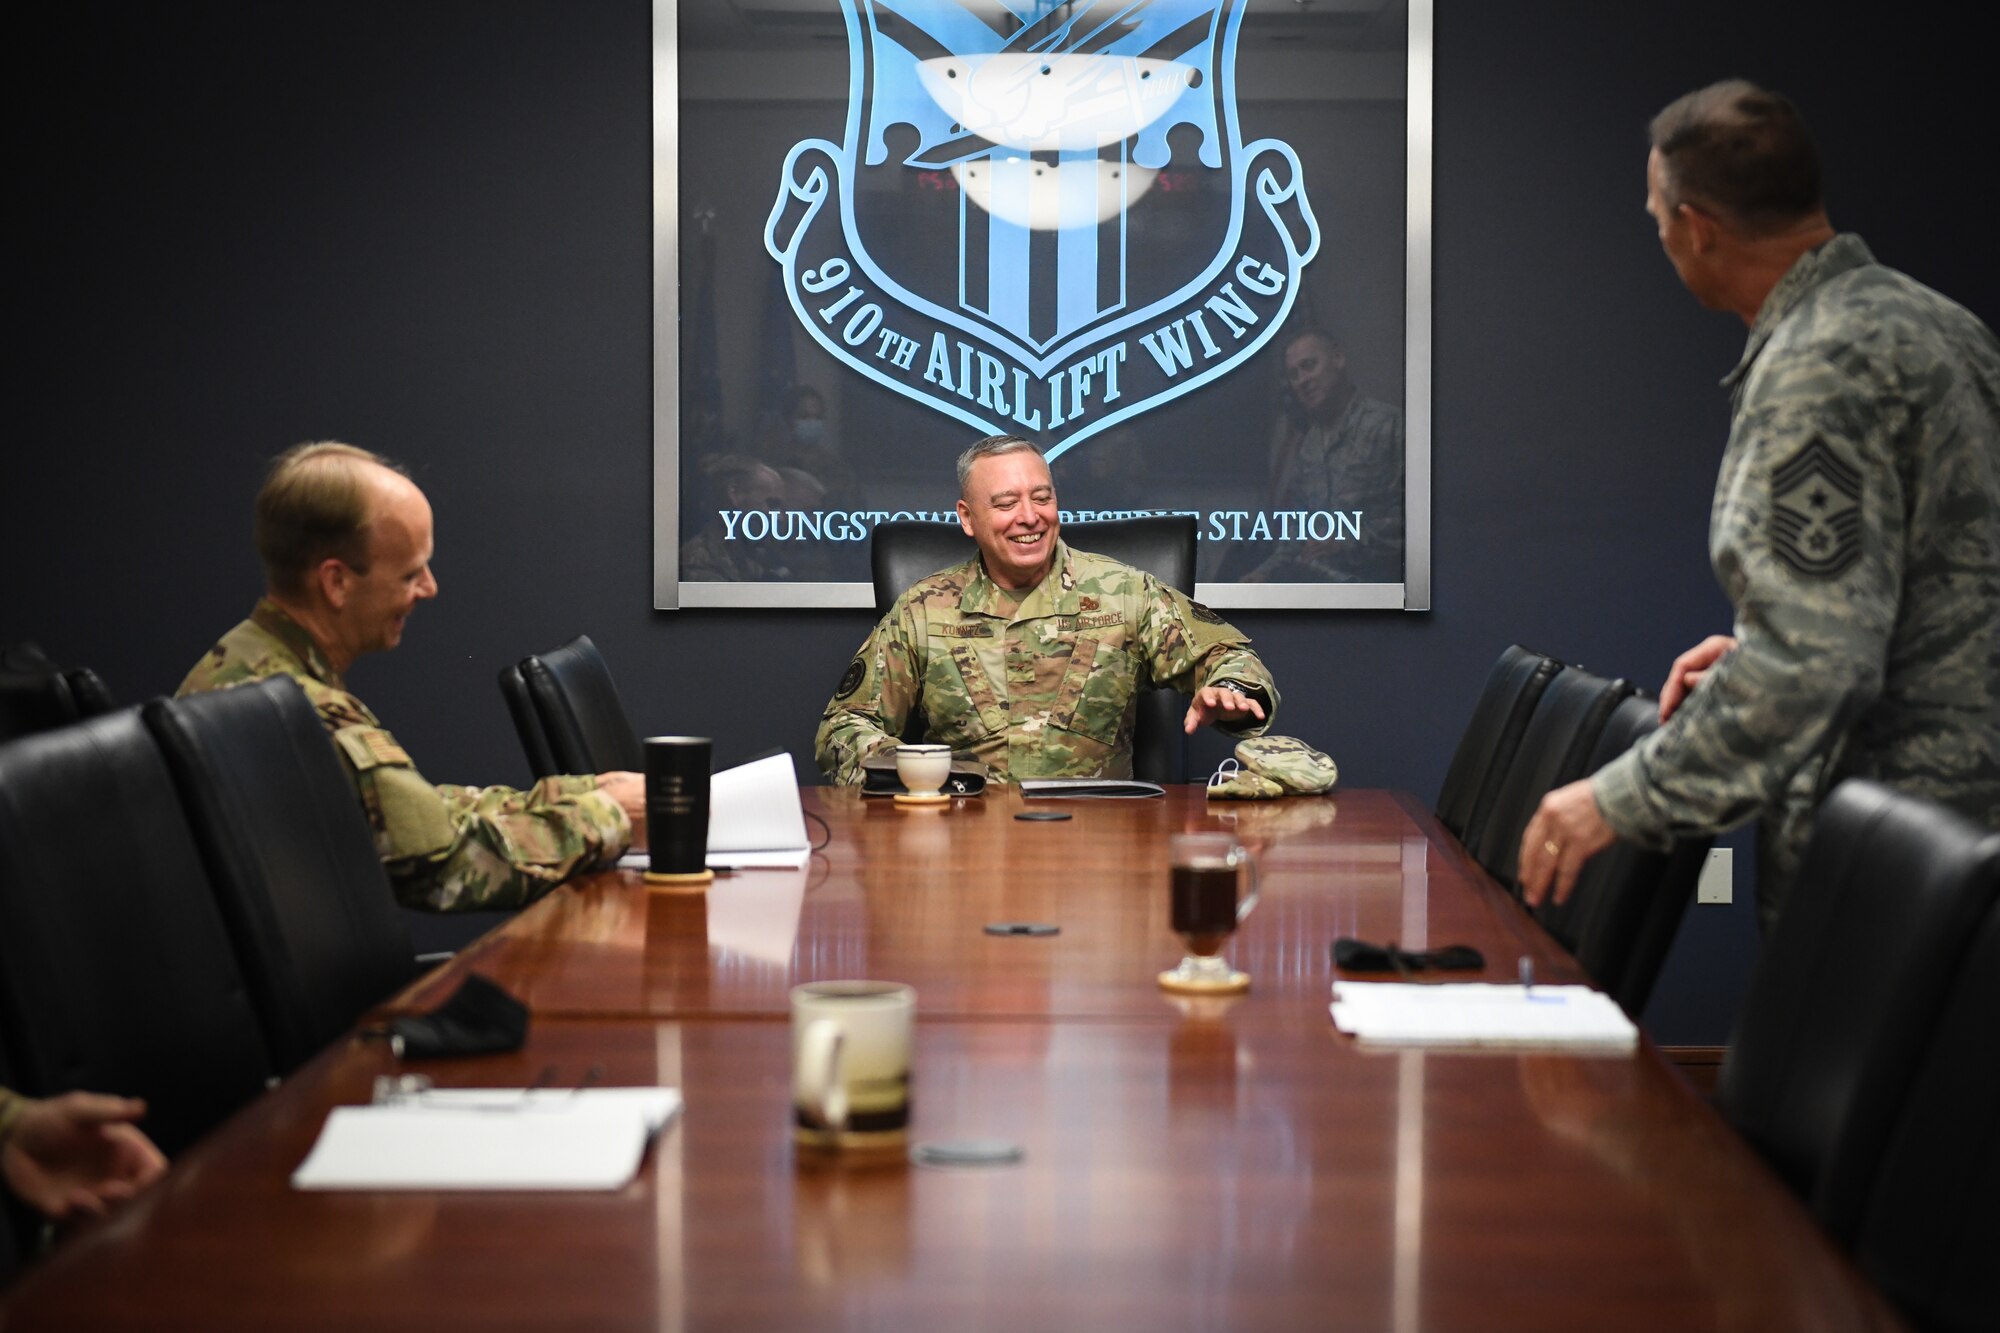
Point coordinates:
[(1205, 883)]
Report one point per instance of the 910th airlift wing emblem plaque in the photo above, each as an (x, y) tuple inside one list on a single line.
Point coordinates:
[(986, 237)]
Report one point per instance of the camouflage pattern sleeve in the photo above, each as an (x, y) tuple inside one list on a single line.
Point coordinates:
[(511, 847), (1187, 646), (874, 699), (11, 1106), (464, 849), (447, 849), (1809, 543)]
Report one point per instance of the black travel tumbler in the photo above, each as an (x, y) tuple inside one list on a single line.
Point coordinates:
[(677, 808)]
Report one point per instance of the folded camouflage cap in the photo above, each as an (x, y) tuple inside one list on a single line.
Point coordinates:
[(1239, 784), (1289, 763)]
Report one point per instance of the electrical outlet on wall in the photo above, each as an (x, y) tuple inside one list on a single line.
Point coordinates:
[(1718, 876)]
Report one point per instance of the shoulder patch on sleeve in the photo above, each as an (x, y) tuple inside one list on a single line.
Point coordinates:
[(371, 747), (850, 682), (1816, 512), (415, 821), (1203, 614)]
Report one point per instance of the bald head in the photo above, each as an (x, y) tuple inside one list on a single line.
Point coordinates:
[(317, 502)]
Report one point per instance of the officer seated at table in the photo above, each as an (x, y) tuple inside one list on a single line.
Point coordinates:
[(1031, 656), (345, 538)]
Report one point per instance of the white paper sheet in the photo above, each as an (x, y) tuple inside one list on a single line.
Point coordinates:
[(754, 810), (489, 1139), (755, 819), (1479, 1014), (1094, 789)]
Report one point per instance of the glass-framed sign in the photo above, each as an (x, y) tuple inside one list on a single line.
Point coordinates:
[(1181, 245)]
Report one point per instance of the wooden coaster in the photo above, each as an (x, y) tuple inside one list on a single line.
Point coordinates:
[(912, 798), (693, 882), (1234, 984)]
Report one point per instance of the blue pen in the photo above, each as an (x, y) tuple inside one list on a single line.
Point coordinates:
[(1528, 984)]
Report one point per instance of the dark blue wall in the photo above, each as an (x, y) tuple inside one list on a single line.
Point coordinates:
[(425, 227)]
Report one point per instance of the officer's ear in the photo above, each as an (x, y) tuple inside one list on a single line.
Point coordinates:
[(333, 579), (1704, 227), (965, 519)]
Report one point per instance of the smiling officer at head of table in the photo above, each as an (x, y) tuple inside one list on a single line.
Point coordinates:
[(345, 537), (1031, 655)]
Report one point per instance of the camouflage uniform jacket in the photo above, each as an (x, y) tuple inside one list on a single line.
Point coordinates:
[(447, 848), (1856, 530), (1048, 689), (1353, 463), (707, 558)]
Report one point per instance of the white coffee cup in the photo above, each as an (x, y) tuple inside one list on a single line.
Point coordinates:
[(851, 1063), (923, 768)]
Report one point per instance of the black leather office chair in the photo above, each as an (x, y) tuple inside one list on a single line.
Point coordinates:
[(1628, 902), (1930, 1230), (307, 904), (567, 710), (1163, 545), (527, 722), (1555, 748), (1513, 687), (37, 694), (1849, 987), (902, 551), (116, 973)]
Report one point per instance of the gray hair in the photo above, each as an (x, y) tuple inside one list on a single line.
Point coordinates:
[(991, 447)]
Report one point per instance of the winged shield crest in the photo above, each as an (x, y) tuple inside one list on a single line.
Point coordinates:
[(1042, 219)]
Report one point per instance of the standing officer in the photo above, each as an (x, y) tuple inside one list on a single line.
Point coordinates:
[(1856, 526)]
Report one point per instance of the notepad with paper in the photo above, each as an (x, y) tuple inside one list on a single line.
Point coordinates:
[(755, 819), (1389, 1013), (490, 1139), (1090, 788)]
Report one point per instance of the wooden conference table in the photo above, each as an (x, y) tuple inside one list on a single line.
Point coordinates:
[(1214, 1164)]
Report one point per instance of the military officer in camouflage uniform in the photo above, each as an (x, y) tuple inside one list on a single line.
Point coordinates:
[(1031, 655), (1342, 451), (1856, 525), (346, 542), (734, 481)]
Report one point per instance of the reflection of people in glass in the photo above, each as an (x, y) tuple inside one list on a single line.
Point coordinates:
[(1340, 453), (721, 552), (804, 440), (804, 493), (1107, 472)]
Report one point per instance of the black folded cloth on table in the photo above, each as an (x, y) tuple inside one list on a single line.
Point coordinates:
[(479, 1018), (1361, 956)]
